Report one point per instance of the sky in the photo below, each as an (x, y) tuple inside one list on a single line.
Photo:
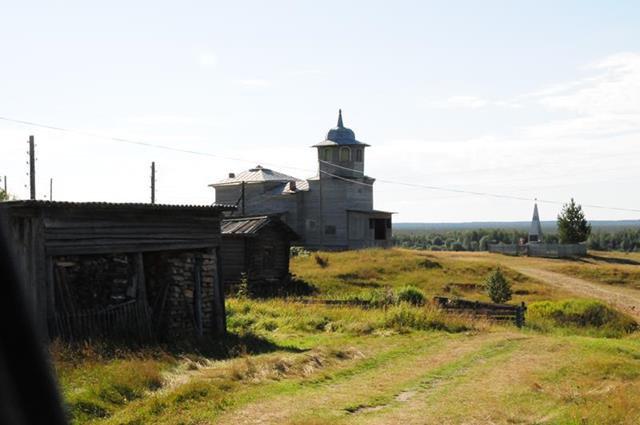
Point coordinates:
[(526, 99)]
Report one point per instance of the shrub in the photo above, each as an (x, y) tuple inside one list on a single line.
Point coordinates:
[(243, 287), (411, 294), (429, 264), (498, 288), (321, 261), (298, 251)]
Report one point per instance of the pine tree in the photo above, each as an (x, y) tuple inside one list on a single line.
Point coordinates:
[(572, 225), (498, 288)]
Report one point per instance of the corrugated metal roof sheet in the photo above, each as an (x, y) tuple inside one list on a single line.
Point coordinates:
[(248, 226), (114, 205), (243, 226)]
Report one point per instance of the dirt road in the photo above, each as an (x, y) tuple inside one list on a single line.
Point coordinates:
[(624, 298)]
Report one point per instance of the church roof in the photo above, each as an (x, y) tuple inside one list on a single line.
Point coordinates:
[(536, 228), (340, 135), (259, 174)]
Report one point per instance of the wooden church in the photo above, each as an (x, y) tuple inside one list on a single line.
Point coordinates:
[(332, 210)]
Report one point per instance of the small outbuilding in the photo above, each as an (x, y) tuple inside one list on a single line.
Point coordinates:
[(256, 247), (119, 270)]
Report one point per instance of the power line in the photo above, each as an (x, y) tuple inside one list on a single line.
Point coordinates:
[(415, 185), (146, 144)]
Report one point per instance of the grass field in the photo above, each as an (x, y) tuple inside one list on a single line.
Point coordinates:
[(577, 361)]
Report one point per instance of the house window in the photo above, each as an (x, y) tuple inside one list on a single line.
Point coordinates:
[(329, 230), (345, 154), (358, 155), (311, 224)]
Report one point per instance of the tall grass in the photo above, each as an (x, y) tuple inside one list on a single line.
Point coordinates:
[(588, 317), (289, 317)]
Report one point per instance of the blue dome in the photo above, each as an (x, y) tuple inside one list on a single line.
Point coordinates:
[(340, 135)]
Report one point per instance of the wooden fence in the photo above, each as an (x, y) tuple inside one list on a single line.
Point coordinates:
[(540, 250), (129, 321), (502, 312)]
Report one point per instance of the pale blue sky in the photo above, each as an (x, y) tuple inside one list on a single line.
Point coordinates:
[(531, 99)]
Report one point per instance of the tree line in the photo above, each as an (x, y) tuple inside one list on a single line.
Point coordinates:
[(627, 240), (572, 227)]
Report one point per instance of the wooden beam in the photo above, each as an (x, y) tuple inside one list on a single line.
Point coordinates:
[(140, 279), (220, 319), (197, 295)]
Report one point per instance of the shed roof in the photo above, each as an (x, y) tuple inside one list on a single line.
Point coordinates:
[(115, 205), (251, 226)]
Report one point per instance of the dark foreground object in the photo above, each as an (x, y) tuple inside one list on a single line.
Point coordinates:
[(28, 392)]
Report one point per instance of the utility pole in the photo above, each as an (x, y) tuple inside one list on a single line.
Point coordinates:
[(153, 182), (243, 197), (32, 168), (5, 184), (51, 189)]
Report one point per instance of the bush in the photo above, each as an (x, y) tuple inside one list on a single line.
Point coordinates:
[(298, 251), (582, 316), (321, 261), (498, 288), (411, 294)]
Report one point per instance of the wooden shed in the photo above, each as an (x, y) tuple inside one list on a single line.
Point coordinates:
[(119, 270), (256, 246)]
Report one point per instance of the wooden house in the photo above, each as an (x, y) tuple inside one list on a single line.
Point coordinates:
[(257, 247), (332, 210), (119, 270)]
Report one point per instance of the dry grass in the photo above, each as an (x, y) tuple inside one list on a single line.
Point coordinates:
[(357, 273)]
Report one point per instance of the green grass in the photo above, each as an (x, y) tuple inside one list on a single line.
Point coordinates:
[(577, 361), (588, 317)]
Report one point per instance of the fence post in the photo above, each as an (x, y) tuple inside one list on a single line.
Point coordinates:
[(520, 315)]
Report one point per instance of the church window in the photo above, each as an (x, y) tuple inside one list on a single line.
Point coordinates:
[(329, 230), (358, 155), (345, 154), (326, 154)]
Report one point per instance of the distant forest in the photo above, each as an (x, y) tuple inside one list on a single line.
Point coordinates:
[(606, 235)]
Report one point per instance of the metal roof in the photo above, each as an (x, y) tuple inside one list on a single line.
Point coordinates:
[(114, 205), (286, 189), (372, 211), (248, 226), (340, 135), (258, 174)]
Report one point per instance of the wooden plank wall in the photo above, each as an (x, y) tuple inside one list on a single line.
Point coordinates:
[(40, 232), (233, 258)]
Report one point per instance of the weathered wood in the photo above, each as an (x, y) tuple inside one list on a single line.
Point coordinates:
[(41, 231), (220, 316), (513, 313), (140, 278), (89, 249), (197, 296)]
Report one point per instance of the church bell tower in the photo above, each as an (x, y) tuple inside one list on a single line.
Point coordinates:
[(340, 154)]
